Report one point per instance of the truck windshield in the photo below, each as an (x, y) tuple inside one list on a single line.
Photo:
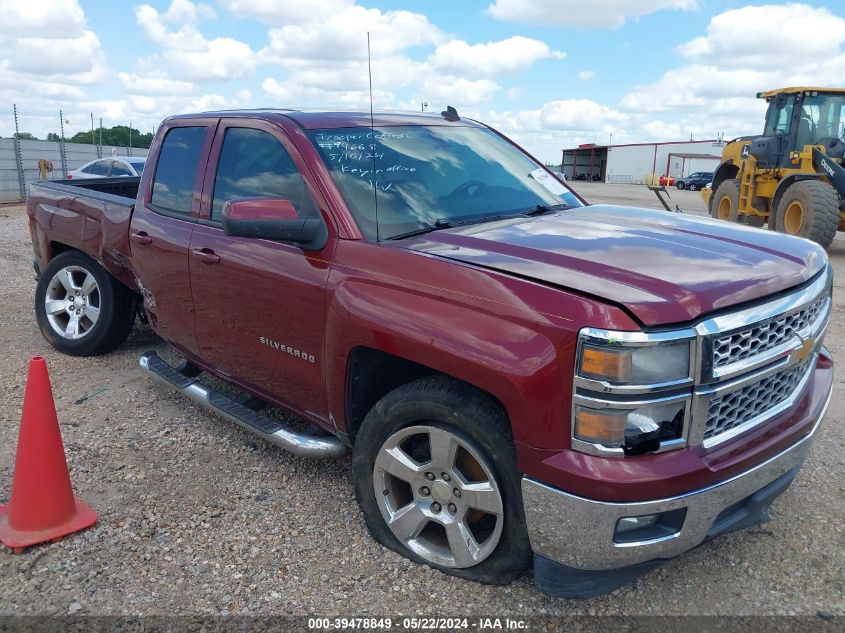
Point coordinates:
[(428, 177)]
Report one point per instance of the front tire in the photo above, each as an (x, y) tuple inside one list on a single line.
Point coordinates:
[(80, 308), (809, 208), (725, 204), (680, 184), (436, 478)]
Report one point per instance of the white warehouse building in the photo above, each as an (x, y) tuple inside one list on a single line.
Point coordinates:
[(638, 163)]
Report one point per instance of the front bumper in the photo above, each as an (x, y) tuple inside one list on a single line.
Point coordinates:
[(573, 537)]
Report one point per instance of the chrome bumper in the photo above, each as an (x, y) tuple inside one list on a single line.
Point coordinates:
[(579, 532)]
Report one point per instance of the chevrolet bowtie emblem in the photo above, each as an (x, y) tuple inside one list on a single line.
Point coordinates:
[(803, 353)]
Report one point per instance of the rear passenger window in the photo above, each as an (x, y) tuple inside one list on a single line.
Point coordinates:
[(176, 170), (100, 168), (120, 169), (254, 164)]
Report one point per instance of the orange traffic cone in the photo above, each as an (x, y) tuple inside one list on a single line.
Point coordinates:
[(42, 506)]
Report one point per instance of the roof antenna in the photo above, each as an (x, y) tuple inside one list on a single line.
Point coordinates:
[(450, 114), (373, 137)]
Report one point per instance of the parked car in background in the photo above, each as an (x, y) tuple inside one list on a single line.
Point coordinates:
[(111, 167), (695, 181)]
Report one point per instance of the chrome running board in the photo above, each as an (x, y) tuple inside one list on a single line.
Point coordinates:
[(302, 444)]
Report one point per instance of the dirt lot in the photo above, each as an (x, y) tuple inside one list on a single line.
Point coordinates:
[(197, 516), (640, 196)]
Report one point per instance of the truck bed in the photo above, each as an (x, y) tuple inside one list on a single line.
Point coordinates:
[(114, 187), (91, 215)]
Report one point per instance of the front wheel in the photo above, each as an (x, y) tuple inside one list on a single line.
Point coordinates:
[(680, 184), (725, 202), (82, 310), (436, 479), (693, 187)]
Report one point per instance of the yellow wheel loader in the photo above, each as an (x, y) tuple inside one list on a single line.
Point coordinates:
[(791, 176)]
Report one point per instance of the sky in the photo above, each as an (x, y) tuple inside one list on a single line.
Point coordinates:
[(551, 74)]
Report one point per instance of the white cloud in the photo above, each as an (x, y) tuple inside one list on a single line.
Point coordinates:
[(187, 11), (765, 36), (457, 91), (745, 51), (325, 60), (280, 13), (50, 39), (152, 85), (343, 36), (579, 115), (586, 75), (296, 94), (577, 13), (51, 18), (506, 56), (190, 54)]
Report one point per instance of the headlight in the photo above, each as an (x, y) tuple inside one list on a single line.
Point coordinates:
[(642, 365), (635, 430), (632, 391)]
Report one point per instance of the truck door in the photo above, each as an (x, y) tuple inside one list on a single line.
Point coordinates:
[(160, 232), (261, 304)]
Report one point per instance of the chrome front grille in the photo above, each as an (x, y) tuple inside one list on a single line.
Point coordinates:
[(752, 402), (753, 363), (768, 335)]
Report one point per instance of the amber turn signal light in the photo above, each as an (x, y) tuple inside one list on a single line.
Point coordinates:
[(603, 427), (605, 363)]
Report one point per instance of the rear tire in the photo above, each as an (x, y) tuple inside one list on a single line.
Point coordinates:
[(431, 523), (810, 209), (80, 308), (725, 204)]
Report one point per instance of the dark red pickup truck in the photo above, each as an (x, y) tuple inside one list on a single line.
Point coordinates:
[(522, 378)]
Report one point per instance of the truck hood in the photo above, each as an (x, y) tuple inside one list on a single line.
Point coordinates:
[(663, 267)]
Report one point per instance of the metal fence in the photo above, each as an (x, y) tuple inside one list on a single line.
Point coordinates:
[(19, 162), (19, 159)]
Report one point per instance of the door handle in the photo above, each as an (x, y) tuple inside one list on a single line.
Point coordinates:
[(141, 238), (206, 255)]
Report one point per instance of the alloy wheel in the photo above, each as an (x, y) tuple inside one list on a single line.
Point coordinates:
[(438, 496), (72, 302)]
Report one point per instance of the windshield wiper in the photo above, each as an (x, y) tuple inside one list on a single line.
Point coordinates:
[(540, 209), (440, 223)]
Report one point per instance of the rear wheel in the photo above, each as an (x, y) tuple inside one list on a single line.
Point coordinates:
[(725, 204), (80, 308), (809, 208), (436, 479)]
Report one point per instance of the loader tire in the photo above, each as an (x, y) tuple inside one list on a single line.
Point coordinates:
[(810, 209), (725, 203)]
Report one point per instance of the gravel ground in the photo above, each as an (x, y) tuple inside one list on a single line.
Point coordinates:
[(199, 517)]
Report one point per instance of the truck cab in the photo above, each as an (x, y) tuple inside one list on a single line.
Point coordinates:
[(523, 379)]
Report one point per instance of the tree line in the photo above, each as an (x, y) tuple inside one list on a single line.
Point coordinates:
[(117, 135)]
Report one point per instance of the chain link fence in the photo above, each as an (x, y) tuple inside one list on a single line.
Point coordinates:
[(24, 161)]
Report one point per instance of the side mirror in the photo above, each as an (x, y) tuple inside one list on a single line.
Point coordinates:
[(273, 219)]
